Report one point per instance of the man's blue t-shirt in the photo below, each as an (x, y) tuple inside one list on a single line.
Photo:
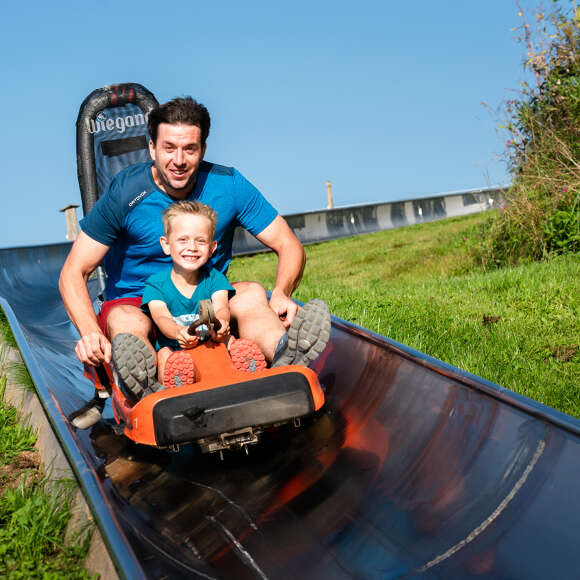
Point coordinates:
[(184, 310), (127, 218)]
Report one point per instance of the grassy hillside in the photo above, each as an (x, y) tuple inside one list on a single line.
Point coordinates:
[(518, 327), (33, 514)]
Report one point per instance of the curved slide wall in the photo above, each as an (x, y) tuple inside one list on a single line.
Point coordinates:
[(414, 469), (323, 225)]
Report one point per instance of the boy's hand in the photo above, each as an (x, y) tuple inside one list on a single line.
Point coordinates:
[(185, 339), (223, 332)]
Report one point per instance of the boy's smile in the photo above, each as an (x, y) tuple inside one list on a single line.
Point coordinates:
[(189, 242)]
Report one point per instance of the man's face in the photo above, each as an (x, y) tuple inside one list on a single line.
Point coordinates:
[(189, 242), (177, 154)]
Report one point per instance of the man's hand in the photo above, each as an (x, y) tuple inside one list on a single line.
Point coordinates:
[(284, 307), (93, 349)]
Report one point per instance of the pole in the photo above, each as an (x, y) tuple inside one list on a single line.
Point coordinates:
[(70, 214), (329, 192)]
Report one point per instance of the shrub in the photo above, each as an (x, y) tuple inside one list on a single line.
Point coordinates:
[(541, 215)]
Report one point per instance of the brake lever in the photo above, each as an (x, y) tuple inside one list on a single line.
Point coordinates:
[(206, 316)]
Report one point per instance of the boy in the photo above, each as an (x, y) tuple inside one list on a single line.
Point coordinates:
[(172, 297)]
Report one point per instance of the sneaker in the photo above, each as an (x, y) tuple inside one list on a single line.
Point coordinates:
[(135, 364), (247, 356), (179, 370), (89, 414), (307, 336)]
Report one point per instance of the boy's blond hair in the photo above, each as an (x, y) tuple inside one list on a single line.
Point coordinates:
[(189, 207)]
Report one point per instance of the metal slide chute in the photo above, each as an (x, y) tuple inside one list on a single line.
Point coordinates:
[(416, 469)]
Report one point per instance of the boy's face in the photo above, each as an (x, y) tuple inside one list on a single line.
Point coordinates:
[(189, 242)]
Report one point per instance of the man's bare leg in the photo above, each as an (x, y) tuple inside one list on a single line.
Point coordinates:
[(254, 317), (301, 344), (121, 320), (131, 319), (134, 357)]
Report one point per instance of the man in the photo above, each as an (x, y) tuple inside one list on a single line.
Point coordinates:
[(124, 228)]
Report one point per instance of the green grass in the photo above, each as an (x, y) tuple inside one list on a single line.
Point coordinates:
[(6, 335), (33, 516), (14, 437), (32, 525), (421, 286)]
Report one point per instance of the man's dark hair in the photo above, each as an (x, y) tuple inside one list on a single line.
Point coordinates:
[(185, 111)]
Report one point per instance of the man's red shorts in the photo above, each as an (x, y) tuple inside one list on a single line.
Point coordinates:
[(109, 304)]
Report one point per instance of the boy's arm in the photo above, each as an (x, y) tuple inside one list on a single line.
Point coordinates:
[(164, 321), (219, 300)]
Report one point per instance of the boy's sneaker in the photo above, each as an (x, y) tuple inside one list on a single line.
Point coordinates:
[(179, 370), (135, 364), (247, 356), (307, 336)]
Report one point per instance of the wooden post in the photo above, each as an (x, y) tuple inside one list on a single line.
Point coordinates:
[(72, 228), (329, 191)]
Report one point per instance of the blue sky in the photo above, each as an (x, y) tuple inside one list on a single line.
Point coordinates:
[(381, 97)]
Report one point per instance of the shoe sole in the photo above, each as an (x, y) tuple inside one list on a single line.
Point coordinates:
[(308, 334), (179, 370), (135, 363), (247, 356)]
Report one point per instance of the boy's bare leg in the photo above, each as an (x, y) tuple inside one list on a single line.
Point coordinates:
[(162, 355)]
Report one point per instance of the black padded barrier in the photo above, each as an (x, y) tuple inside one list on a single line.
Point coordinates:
[(111, 134)]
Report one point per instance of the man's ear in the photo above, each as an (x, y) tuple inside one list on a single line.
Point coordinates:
[(152, 149), (165, 245), (212, 247)]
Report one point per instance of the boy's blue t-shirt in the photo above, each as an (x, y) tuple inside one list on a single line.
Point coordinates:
[(184, 310), (127, 218)]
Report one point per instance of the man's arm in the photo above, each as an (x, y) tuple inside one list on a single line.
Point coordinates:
[(291, 261), (85, 255)]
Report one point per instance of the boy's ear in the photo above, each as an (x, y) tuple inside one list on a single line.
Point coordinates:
[(164, 245), (212, 247)]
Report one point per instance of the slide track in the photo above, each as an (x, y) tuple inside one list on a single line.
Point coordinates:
[(414, 469)]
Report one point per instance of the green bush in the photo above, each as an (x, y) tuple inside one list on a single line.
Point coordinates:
[(562, 230), (541, 215)]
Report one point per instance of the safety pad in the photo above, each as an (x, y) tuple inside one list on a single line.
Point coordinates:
[(252, 403), (120, 139), (111, 135)]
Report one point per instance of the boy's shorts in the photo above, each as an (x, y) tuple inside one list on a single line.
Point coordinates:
[(107, 306)]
